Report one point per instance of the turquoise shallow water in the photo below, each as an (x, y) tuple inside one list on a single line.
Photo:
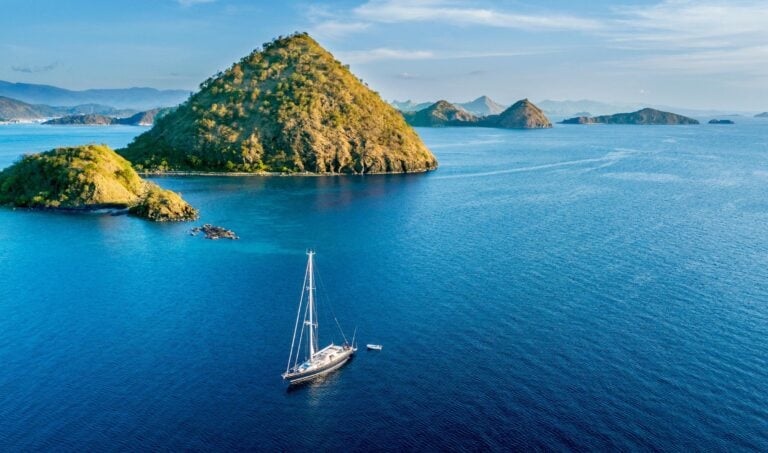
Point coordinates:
[(574, 288)]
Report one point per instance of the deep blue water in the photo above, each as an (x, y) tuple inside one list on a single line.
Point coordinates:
[(574, 288)]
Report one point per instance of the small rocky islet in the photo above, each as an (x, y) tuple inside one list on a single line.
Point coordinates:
[(214, 232)]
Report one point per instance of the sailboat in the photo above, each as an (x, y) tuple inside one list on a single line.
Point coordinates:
[(316, 362)]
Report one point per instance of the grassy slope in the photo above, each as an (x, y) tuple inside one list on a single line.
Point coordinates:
[(291, 107)]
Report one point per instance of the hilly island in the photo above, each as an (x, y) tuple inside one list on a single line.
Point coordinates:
[(522, 114), (289, 107), (85, 178), (645, 116)]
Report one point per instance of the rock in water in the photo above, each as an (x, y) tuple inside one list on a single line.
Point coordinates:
[(87, 177), (290, 107)]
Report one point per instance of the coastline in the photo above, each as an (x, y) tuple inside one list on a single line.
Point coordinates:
[(152, 174)]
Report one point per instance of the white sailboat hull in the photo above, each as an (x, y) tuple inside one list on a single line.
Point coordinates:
[(334, 358)]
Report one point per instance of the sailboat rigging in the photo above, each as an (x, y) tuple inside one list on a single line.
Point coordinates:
[(317, 362)]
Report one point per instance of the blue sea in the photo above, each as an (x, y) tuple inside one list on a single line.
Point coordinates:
[(579, 288)]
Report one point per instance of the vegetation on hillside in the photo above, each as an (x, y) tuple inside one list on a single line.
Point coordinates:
[(86, 177), (290, 107)]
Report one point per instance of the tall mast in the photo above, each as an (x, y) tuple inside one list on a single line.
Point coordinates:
[(311, 289)]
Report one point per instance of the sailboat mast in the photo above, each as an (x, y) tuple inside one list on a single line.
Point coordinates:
[(311, 289)]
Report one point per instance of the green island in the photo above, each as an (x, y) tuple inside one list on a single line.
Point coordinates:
[(522, 114), (647, 116), (290, 107), (88, 177)]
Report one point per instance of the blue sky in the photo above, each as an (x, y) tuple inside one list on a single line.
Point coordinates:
[(696, 54)]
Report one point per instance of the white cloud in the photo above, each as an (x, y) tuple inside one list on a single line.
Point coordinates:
[(335, 29), (700, 24), (391, 11), (186, 3), (383, 53), (701, 37)]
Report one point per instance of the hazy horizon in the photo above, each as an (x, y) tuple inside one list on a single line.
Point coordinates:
[(697, 55)]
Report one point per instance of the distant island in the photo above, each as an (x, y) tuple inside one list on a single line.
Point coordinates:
[(721, 121), (79, 120), (139, 119), (440, 114), (290, 107), (87, 178), (762, 115), (521, 115), (645, 116)]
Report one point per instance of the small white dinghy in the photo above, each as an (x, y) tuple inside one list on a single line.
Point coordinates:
[(373, 347)]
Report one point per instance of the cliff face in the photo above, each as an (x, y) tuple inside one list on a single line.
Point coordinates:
[(441, 113), (87, 177), (522, 114), (290, 107), (644, 117)]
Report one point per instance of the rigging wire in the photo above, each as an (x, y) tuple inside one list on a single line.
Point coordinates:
[(328, 303), (296, 326)]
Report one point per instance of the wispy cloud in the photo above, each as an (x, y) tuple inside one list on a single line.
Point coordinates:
[(692, 24), (335, 29), (391, 11), (186, 3), (702, 37), (27, 69), (383, 53)]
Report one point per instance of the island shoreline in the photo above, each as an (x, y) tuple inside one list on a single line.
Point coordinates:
[(172, 173)]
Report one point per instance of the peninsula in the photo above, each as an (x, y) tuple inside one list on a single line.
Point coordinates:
[(645, 116), (88, 177), (290, 107)]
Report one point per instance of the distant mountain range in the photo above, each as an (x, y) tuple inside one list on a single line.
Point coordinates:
[(122, 98), (762, 115), (482, 106), (13, 109)]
